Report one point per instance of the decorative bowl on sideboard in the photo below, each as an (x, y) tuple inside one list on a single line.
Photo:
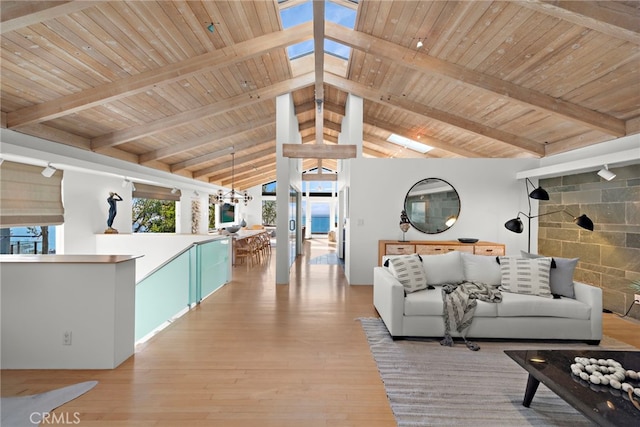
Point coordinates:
[(467, 240)]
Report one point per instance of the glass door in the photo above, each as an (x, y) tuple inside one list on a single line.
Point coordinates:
[(293, 210)]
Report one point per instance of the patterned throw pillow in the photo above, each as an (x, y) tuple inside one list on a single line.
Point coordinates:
[(409, 271), (525, 276), (561, 278)]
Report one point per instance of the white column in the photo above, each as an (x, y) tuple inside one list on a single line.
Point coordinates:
[(286, 132), (352, 130), (353, 117)]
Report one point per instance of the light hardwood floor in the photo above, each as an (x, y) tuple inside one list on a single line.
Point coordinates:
[(253, 354)]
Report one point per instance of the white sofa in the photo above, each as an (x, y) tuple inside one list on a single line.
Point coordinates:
[(517, 316)]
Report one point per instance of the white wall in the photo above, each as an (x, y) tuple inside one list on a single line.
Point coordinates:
[(84, 196), (489, 193), (93, 300)]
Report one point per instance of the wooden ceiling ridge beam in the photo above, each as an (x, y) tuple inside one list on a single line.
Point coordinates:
[(215, 109), (318, 53), (19, 14), (238, 130), (614, 19), (165, 75), (422, 63), (237, 161), (205, 158), (424, 111)]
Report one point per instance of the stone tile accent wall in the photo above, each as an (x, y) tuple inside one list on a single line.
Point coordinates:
[(610, 255)]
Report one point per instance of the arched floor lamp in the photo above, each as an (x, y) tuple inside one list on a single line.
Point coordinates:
[(540, 193)]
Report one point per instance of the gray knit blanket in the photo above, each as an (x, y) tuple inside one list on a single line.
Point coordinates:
[(459, 305)]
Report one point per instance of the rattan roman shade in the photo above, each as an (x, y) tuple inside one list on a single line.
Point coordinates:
[(27, 198), (146, 191)]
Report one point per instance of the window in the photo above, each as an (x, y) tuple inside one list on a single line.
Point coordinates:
[(269, 212), (301, 13), (154, 209), (28, 240), (409, 143)]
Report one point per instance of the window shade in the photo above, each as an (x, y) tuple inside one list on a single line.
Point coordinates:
[(146, 191), (27, 198)]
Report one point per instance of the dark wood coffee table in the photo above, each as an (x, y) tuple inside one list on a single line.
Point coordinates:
[(602, 404)]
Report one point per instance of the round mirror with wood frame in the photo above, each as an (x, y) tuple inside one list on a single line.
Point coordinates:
[(432, 205)]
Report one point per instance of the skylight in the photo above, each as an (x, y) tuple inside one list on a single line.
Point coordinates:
[(409, 143), (302, 13)]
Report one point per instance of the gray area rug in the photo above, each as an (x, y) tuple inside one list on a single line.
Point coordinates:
[(431, 385), (24, 410)]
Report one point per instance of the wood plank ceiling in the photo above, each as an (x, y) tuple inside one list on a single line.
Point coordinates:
[(147, 82)]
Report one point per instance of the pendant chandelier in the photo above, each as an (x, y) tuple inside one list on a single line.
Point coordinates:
[(232, 197)]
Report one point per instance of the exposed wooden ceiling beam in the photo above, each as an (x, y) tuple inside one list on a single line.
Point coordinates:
[(431, 142), (259, 176), (56, 135), (431, 113), (319, 151), (374, 144), (218, 137), (246, 172), (327, 138), (425, 63), (19, 14), (612, 18), (217, 108), (327, 177), (261, 171), (398, 151), (165, 75), (196, 161), (310, 124), (327, 106), (239, 161)]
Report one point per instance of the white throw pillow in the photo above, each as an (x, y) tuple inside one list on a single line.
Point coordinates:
[(443, 269), (481, 269), (409, 271), (526, 276)]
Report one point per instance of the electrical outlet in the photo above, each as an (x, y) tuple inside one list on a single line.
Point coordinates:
[(66, 338), (636, 298)]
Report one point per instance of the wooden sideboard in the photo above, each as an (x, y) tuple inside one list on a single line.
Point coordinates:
[(435, 247)]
